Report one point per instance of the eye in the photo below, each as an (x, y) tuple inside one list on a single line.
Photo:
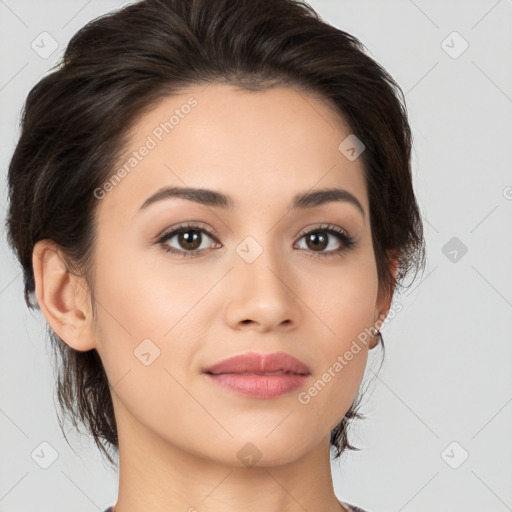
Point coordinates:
[(321, 238), (190, 237)]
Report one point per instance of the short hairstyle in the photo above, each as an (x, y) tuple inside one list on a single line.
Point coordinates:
[(77, 120)]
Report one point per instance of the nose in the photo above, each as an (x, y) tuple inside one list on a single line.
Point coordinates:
[(262, 295)]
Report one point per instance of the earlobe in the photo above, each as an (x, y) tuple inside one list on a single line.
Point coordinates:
[(57, 294), (381, 312), (384, 301)]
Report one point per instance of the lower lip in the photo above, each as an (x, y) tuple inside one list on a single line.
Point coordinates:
[(259, 386)]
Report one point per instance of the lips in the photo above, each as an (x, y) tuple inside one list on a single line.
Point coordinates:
[(251, 363), (261, 376)]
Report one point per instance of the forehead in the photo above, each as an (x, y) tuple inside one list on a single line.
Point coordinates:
[(258, 147)]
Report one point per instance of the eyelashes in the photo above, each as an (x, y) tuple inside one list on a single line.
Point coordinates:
[(317, 236)]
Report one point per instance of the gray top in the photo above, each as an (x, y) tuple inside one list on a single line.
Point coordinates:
[(352, 508)]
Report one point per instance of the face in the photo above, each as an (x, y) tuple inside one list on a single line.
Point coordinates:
[(181, 285)]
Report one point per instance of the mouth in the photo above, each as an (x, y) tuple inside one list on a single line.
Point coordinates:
[(258, 375), (252, 363), (255, 373), (264, 386)]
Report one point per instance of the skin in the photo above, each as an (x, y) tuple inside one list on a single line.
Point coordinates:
[(179, 434)]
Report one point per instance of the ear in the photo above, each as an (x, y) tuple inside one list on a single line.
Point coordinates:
[(384, 299), (62, 297)]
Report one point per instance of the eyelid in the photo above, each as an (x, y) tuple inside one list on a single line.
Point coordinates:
[(323, 227), (191, 224), (347, 241)]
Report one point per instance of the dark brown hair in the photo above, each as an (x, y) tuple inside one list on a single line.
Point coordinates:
[(76, 123)]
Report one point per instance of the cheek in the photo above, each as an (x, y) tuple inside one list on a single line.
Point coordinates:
[(346, 305), (344, 298), (145, 296), (158, 309), (146, 339)]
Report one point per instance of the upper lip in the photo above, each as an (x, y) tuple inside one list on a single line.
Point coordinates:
[(252, 362)]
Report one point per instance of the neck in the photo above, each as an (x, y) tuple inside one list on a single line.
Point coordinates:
[(159, 476)]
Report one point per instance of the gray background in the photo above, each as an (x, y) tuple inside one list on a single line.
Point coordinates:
[(444, 392)]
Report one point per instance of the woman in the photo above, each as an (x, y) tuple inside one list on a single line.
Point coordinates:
[(212, 203)]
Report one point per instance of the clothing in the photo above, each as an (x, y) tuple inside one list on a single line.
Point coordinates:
[(352, 508)]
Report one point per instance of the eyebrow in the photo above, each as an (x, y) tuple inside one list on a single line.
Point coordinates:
[(218, 200)]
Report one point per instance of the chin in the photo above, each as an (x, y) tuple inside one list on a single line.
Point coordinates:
[(262, 451)]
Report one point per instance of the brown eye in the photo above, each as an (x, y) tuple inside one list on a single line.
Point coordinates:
[(324, 237), (317, 240), (190, 240)]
